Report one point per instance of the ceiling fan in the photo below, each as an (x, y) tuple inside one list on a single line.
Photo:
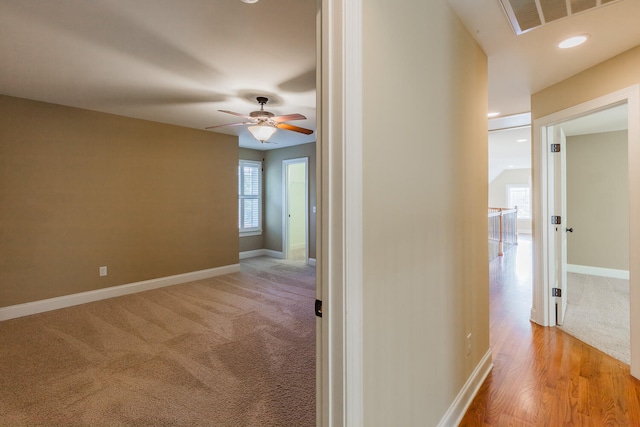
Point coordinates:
[(264, 123)]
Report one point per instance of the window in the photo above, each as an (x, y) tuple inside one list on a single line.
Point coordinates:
[(519, 195), (250, 197)]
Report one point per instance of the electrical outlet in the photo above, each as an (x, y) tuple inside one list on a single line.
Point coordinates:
[(103, 271), (469, 344)]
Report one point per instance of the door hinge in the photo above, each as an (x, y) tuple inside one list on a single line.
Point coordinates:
[(555, 148), (318, 308), (556, 292), (556, 219)]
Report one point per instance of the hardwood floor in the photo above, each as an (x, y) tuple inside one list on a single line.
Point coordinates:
[(542, 376)]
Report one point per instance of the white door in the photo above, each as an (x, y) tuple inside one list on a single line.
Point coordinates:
[(558, 202), (295, 209)]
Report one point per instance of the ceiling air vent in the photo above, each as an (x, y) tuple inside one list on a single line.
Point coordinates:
[(526, 15)]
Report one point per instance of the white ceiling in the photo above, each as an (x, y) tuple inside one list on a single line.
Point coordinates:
[(607, 120), (179, 62), (511, 148), (168, 61), (522, 65), (525, 64)]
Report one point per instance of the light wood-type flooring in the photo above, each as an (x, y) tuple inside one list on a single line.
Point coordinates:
[(542, 376)]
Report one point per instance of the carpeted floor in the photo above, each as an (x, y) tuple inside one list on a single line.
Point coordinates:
[(235, 350), (598, 313)]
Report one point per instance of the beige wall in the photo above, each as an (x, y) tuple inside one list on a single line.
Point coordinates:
[(498, 192), (609, 76), (426, 281), (273, 194), (252, 243), (81, 189), (598, 200)]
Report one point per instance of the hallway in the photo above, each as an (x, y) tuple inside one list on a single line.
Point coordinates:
[(542, 376)]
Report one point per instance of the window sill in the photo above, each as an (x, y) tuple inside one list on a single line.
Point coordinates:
[(250, 233)]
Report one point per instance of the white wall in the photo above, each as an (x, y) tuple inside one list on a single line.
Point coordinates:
[(498, 192)]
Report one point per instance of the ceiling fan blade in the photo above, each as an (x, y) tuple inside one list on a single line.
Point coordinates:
[(288, 118), (235, 114), (286, 126), (230, 124)]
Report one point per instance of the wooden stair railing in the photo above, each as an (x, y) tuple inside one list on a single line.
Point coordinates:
[(503, 227)]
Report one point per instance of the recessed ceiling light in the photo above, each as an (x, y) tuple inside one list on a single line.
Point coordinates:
[(511, 166), (493, 114), (522, 140), (573, 41), (249, 1)]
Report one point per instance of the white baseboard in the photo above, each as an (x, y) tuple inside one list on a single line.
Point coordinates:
[(261, 252), (460, 405), (533, 315), (270, 253), (274, 254), (35, 307), (598, 271), (252, 254)]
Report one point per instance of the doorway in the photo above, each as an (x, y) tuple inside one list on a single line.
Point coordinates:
[(296, 209), (550, 217), (597, 193)]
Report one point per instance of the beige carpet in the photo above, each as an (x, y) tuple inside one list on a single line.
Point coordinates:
[(598, 313), (236, 350)]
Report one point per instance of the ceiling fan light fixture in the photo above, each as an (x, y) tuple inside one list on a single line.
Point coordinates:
[(573, 41), (262, 132)]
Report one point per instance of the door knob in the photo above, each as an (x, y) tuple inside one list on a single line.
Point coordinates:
[(570, 230)]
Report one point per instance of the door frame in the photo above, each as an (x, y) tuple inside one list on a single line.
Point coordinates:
[(339, 268), (557, 235), (541, 311), (285, 206)]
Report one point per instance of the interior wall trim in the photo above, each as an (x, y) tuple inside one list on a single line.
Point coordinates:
[(274, 254), (262, 252), (543, 302), (253, 254), (598, 271), (463, 400), (542, 296), (41, 306)]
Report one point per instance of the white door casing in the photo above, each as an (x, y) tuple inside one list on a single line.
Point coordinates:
[(557, 196), (562, 233), (320, 332), (340, 259), (542, 311)]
